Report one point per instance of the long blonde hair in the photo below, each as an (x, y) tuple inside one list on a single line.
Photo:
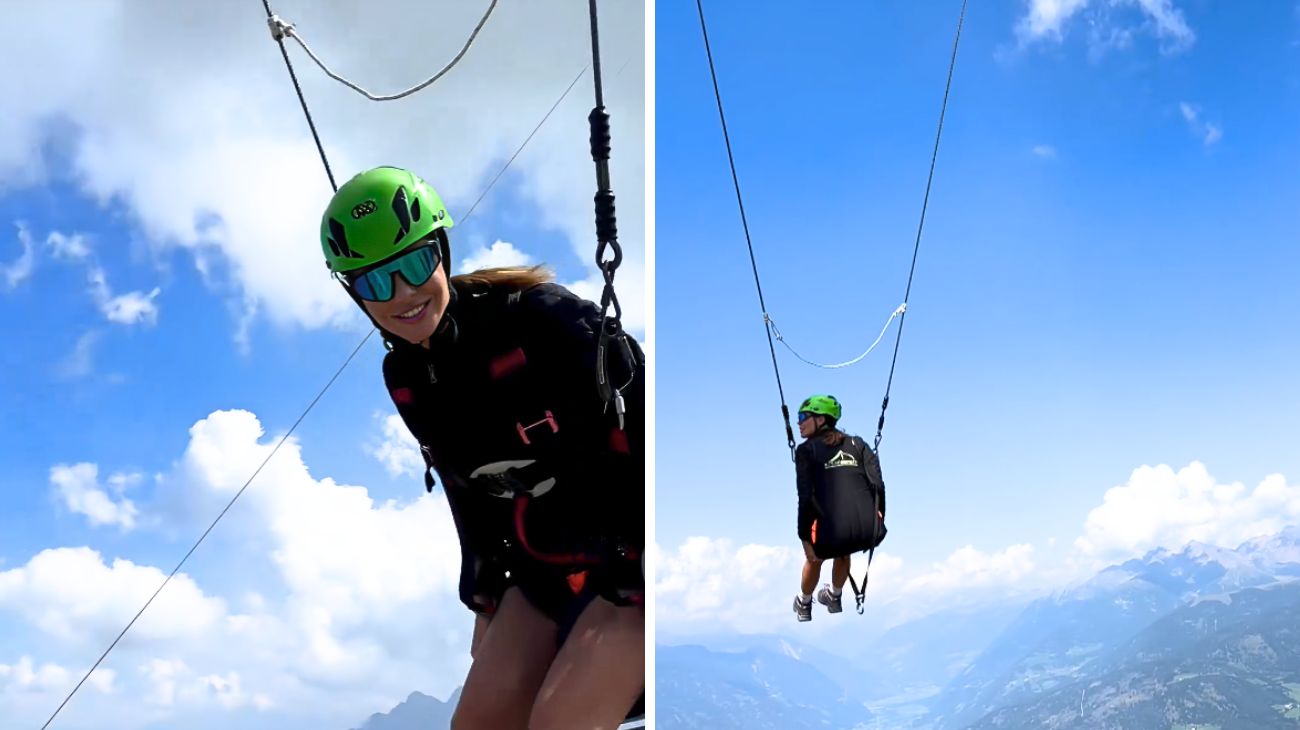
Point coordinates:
[(508, 277)]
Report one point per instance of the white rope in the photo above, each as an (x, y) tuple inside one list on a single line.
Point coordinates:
[(902, 308), (281, 29)]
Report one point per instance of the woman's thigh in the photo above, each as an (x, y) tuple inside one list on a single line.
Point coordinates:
[(598, 674), (510, 664)]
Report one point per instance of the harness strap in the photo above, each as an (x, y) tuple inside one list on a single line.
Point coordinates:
[(604, 556), (860, 595)]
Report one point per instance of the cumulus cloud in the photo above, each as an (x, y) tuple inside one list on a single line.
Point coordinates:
[(698, 581), (346, 604), (78, 487), (355, 570), (16, 272), (500, 253), (222, 165), (1205, 131), (24, 676), (175, 683), (971, 568), (75, 596), (397, 449), (1160, 507), (712, 583), (1046, 20)]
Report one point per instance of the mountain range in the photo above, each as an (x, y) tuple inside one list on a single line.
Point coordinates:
[(1199, 637)]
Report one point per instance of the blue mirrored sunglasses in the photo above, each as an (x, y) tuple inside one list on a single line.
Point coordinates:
[(804, 416), (376, 284)]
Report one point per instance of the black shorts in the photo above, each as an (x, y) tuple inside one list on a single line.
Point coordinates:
[(562, 599)]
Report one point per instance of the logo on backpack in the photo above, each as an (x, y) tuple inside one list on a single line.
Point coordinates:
[(841, 459)]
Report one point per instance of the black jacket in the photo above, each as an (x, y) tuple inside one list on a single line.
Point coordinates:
[(511, 377)]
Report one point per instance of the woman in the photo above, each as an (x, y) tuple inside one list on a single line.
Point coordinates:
[(494, 373), (841, 501)]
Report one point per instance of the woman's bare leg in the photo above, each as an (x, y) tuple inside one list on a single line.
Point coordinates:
[(598, 674), (510, 662), (481, 623), (840, 572), (812, 570)]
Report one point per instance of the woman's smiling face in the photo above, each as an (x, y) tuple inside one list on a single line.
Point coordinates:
[(414, 312)]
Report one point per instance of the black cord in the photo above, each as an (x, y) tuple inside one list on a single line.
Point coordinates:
[(898, 339), (735, 179)]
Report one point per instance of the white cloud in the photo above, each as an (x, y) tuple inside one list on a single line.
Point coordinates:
[(1044, 150), (81, 361), (500, 253), (132, 308), (397, 449), (78, 487), (1207, 132), (17, 272), (175, 683), (971, 568), (73, 595), (1159, 507), (698, 582), (345, 605), (709, 583), (67, 247), (120, 482), (222, 165), (1045, 17), (354, 570), (1046, 20), (25, 676)]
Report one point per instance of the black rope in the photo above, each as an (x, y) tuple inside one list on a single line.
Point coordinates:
[(735, 179), (898, 339), (611, 335), (279, 39), (204, 536)]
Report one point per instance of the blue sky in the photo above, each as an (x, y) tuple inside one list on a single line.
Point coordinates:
[(161, 279), (1106, 281)]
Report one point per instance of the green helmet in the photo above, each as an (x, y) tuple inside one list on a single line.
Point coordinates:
[(822, 405), (376, 214)]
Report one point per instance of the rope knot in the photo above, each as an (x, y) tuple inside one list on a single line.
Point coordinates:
[(279, 28)]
